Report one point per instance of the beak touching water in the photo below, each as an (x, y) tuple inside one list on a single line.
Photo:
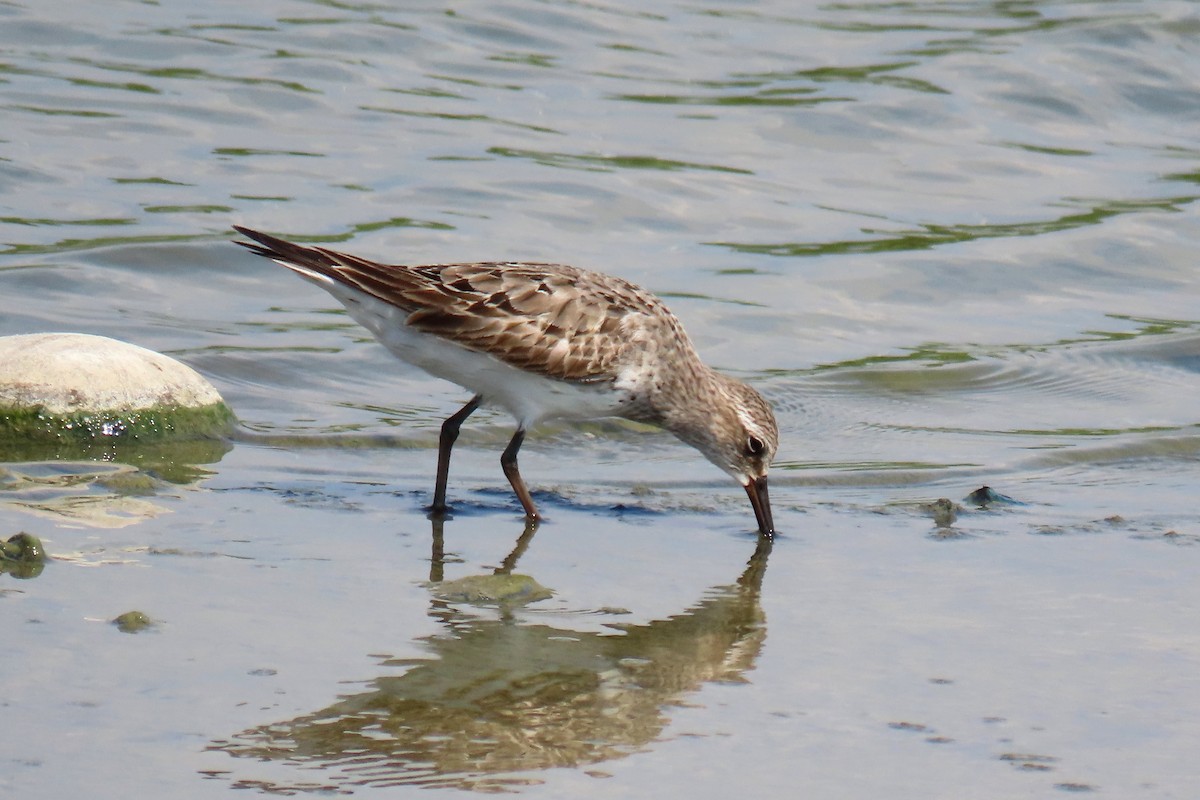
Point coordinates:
[(756, 488)]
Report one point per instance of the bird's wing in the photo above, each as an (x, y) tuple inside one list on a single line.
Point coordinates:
[(551, 319)]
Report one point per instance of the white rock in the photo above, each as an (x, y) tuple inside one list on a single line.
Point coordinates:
[(67, 373)]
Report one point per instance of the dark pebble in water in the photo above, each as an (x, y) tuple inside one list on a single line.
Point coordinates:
[(986, 495)]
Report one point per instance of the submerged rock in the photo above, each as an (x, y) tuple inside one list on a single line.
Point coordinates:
[(503, 589), (22, 556), (986, 495), (75, 390), (23, 547), (133, 622)]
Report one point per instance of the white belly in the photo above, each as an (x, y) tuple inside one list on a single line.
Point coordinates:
[(527, 396)]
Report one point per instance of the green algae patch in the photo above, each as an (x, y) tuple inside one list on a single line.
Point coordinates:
[(84, 429), (133, 622), (166, 446), (22, 556), (134, 483), (503, 589), (24, 548)]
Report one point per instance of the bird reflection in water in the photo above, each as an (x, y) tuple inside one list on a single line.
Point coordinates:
[(502, 698)]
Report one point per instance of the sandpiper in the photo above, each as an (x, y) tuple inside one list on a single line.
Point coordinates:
[(547, 341)]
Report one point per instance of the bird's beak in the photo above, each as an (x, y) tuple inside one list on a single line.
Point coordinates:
[(756, 488)]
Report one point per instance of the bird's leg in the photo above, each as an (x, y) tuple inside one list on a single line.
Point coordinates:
[(445, 443), (508, 462)]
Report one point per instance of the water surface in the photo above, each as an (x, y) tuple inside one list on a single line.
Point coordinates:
[(954, 243)]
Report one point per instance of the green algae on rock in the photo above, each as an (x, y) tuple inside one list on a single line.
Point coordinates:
[(22, 556), (71, 392), (23, 547), (133, 622), (503, 589)]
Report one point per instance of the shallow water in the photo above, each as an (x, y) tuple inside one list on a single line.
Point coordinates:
[(954, 243)]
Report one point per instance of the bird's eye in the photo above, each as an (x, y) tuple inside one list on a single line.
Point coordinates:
[(754, 445)]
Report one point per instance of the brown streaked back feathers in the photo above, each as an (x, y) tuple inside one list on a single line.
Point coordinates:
[(516, 312)]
